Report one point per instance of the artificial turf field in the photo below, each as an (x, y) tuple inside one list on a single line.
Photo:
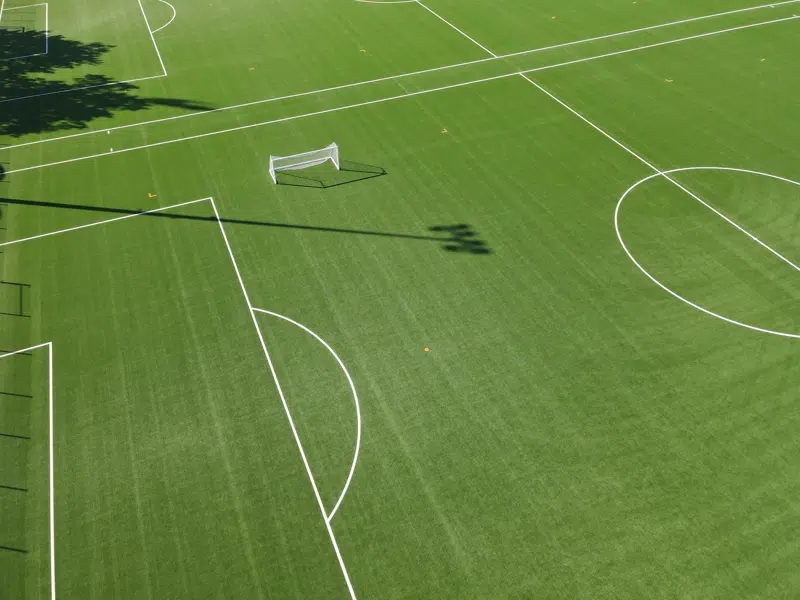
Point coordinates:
[(537, 339)]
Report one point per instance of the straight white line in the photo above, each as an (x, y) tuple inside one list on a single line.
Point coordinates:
[(27, 6), (388, 99), (152, 37), (52, 474), (285, 405), (74, 89), (138, 214), (329, 516), (36, 347), (46, 28), (440, 17), (387, 78), (2, 6)]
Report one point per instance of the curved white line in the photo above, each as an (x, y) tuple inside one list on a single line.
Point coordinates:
[(665, 288), (174, 14), (329, 517)]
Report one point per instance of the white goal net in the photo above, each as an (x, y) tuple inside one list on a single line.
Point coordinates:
[(303, 160)]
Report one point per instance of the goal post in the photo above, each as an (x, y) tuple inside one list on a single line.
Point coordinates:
[(303, 160)]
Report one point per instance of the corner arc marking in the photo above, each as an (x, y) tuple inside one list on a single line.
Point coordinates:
[(665, 288), (330, 515)]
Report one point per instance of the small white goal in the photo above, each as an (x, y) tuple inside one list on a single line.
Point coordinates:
[(303, 160)]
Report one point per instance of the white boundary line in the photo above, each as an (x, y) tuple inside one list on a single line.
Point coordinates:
[(174, 14), (329, 516), (46, 30), (2, 7), (210, 199), (414, 73), (51, 455), (664, 287), (387, 99), (440, 17)]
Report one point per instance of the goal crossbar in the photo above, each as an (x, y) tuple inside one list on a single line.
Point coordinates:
[(303, 160)]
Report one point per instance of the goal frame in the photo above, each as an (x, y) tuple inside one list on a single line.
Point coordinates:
[(303, 160)]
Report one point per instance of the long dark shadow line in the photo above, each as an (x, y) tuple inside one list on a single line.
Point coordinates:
[(213, 219)]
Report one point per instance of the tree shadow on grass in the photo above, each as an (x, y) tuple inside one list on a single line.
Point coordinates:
[(33, 99)]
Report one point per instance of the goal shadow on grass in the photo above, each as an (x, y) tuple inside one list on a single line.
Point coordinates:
[(39, 94), (325, 176), (459, 238)]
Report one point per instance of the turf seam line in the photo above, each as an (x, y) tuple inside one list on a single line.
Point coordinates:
[(397, 97), (387, 78)]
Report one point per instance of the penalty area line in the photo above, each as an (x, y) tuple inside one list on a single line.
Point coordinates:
[(279, 388)]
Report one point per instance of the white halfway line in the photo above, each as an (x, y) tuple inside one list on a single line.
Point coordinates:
[(658, 171), (389, 77), (390, 98)]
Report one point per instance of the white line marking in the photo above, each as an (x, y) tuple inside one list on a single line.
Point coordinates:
[(329, 517), (51, 481), (285, 406), (664, 174), (388, 99), (403, 75), (658, 172), (122, 218), (52, 474), (36, 347), (440, 17), (2, 7), (174, 14), (46, 31), (325, 516), (78, 89), (661, 285), (152, 37)]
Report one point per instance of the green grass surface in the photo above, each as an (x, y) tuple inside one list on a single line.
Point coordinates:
[(574, 431)]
